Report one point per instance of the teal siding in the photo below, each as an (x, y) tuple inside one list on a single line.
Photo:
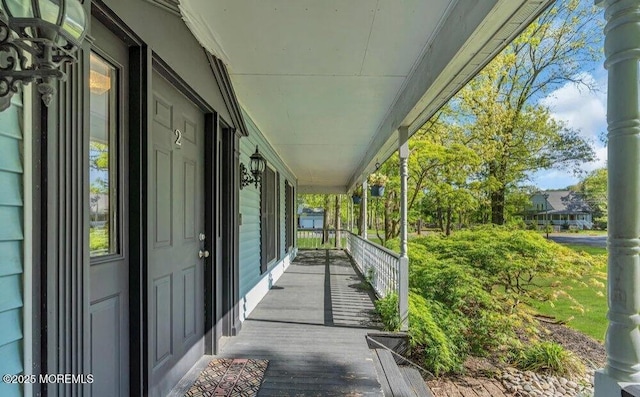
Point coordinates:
[(11, 257), (250, 208)]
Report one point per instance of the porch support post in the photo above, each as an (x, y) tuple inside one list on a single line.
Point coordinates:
[(622, 341), (350, 214), (363, 208), (337, 221), (403, 271)]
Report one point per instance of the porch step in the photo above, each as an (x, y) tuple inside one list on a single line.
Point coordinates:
[(399, 382)]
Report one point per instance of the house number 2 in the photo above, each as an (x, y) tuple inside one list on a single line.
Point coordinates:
[(178, 137)]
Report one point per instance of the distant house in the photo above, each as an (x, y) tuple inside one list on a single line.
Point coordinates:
[(311, 218), (560, 208)]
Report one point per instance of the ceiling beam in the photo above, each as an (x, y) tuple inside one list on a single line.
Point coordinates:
[(318, 189)]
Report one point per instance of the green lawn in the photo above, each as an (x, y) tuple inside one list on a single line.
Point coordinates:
[(315, 242), (591, 319), (587, 248)]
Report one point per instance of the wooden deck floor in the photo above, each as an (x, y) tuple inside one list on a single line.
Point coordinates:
[(311, 327)]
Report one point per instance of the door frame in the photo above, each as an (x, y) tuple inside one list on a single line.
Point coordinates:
[(142, 63), (53, 317), (139, 56), (211, 205), (228, 315)]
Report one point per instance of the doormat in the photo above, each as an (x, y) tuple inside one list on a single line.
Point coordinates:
[(228, 377)]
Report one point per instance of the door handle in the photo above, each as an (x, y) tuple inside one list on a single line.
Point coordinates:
[(203, 254)]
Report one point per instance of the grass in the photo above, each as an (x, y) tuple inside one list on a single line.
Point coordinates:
[(314, 242), (589, 249), (591, 319), (549, 357)]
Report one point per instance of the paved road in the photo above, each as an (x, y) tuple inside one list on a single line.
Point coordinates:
[(581, 239)]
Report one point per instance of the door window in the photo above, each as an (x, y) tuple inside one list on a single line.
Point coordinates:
[(103, 186)]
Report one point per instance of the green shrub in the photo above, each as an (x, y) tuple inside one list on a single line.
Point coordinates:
[(469, 290), (517, 223), (98, 240), (436, 335), (387, 308), (548, 357)]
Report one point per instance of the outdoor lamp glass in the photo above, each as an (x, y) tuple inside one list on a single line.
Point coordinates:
[(48, 19), (48, 30), (257, 164), (3, 15)]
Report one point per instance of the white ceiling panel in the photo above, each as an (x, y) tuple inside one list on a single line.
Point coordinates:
[(328, 82), (399, 34), (311, 164), (309, 109), (309, 37)]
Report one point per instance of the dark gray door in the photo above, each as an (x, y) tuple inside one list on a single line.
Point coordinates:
[(176, 206), (108, 214)]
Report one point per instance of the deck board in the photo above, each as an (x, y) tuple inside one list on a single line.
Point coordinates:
[(311, 327)]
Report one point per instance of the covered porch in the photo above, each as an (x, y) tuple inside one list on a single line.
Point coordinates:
[(312, 327), (333, 112), (325, 90)]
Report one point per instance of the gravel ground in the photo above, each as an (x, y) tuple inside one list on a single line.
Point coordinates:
[(590, 351), (481, 374)]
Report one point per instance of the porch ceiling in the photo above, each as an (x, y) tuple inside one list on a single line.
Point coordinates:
[(328, 82)]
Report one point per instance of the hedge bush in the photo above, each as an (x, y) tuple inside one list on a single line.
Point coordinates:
[(469, 291)]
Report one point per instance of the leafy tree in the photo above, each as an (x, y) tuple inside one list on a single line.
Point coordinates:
[(440, 167), (594, 189), (508, 126), (98, 156)]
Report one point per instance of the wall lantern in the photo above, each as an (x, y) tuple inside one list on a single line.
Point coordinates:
[(257, 165), (50, 31)]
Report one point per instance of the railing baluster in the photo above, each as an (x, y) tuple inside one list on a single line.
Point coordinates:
[(383, 262)]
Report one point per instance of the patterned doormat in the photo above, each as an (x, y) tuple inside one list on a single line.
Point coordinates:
[(228, 377)]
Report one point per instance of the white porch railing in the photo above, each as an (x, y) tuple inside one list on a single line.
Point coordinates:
[(312, 239), (378, 264)]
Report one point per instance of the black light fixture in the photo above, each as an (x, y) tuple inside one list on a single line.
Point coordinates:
[(256, 165), (50, 31)]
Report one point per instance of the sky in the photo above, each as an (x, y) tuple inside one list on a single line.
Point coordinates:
[(581, 110)]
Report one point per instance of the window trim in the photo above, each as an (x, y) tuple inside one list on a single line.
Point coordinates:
[(118, 163), (289, 215), (265, 261)]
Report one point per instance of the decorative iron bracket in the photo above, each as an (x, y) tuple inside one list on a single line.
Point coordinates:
[(43, 65), (247, 179)]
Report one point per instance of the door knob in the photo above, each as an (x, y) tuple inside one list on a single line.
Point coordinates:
[(203, 254)]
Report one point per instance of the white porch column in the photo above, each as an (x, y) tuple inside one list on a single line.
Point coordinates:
[(363, 204), (622, 342), (338, 225), (403, 274), (353, 214)]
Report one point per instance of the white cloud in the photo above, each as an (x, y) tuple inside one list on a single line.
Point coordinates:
[(581, 110)]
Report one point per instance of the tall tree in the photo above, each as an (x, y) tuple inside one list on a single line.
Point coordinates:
[(441, 166), (594, 189), (513, 131)]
